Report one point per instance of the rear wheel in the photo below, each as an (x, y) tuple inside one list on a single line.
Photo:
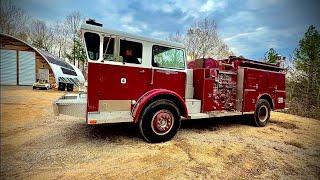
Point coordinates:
[(160, 121), (262, 113)]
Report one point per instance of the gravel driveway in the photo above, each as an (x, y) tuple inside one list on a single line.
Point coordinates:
[(37, 145)]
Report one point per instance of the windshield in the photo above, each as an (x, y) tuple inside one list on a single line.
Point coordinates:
[(167, 57), (42, 81), (92, 41)]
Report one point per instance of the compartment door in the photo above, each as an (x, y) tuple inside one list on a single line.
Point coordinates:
[(240, 84)]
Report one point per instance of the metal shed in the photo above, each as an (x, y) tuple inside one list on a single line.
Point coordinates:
[(22, 64)]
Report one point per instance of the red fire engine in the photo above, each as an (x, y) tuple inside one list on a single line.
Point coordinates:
[(146, 81)]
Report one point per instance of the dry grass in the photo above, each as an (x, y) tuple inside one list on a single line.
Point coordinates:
[(294, 143), (286, 125), (37, 145)]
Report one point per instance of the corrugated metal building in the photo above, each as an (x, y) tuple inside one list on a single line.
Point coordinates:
[(22, 64)]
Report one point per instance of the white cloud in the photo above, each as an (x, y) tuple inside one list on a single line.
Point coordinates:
[(118, 16), (127, 19), (167, 8), (241, 17), (210, 6), (258, 40), (252, 34), (130, 28), (256, 4), (143, 25), (159, 34), (190, 8)]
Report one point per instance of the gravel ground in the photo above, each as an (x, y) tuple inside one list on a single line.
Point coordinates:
[(37, 145)]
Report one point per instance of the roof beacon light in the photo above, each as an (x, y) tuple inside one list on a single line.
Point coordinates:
[(93, 22)]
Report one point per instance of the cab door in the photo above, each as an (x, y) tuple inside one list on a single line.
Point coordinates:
[(168, 69), (119, 73)]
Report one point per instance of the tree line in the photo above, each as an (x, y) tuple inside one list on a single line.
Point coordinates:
[(61, 39), (303, 75)]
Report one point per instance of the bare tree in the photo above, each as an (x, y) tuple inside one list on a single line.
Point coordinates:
[(177, 37), (60, 34), (41, 35), (223, 51), (13, 20), (202, 40), (73, 22)]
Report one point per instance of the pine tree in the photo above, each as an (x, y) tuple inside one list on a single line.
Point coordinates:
[(78, 52), (307, 62), (271, 56)]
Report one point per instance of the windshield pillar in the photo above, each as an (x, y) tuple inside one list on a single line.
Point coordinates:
[(101, 48), (116, 49)]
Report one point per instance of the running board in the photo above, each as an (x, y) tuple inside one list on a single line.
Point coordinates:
[(216, 114)]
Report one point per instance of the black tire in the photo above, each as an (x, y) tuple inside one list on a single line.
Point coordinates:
[(262, 113), (151, 124)]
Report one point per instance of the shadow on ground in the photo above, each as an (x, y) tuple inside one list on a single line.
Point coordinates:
[(119, 131)]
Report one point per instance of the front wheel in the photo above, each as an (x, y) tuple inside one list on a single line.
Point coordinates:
[(262, 113), (160, 121)]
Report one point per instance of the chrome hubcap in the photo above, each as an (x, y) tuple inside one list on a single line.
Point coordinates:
[(263, 113), (162, 122)]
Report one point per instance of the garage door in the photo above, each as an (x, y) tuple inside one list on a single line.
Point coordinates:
[(8, 67), (27, 68)]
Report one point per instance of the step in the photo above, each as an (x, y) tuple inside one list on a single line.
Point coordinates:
[(193, 106)]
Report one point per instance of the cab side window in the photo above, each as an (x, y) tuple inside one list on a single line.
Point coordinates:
[(166, 57), (131, 52), (92, 41), (108, 48)]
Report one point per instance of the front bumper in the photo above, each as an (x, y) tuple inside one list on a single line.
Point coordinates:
[(71, 104)]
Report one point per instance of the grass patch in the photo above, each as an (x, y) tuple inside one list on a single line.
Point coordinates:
[(294, 143), (285, 125)]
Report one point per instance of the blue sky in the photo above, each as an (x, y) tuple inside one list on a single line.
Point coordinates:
[(249, 27)]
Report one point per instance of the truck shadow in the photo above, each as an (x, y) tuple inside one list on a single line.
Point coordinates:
[(118, 132), (215, 123)]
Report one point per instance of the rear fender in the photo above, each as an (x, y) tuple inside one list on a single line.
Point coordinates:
[(156, 94), (267, 97)]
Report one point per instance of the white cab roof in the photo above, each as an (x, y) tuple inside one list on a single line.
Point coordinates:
[(98, 29)]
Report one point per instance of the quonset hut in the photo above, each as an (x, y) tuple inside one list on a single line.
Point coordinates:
[(23, 64)]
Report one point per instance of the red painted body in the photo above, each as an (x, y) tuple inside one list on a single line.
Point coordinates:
[(258, 83), (215, 88), (203, 90), (216, 85), (104, 83)]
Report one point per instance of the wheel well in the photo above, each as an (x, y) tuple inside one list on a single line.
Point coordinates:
[(269, 99), (169, 97)]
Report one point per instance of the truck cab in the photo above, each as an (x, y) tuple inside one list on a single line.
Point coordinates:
[(145, 81)]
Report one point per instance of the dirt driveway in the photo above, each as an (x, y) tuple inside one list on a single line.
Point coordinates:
[(37, 145)]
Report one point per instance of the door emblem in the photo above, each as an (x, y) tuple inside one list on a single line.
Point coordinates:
[(123, 81)]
